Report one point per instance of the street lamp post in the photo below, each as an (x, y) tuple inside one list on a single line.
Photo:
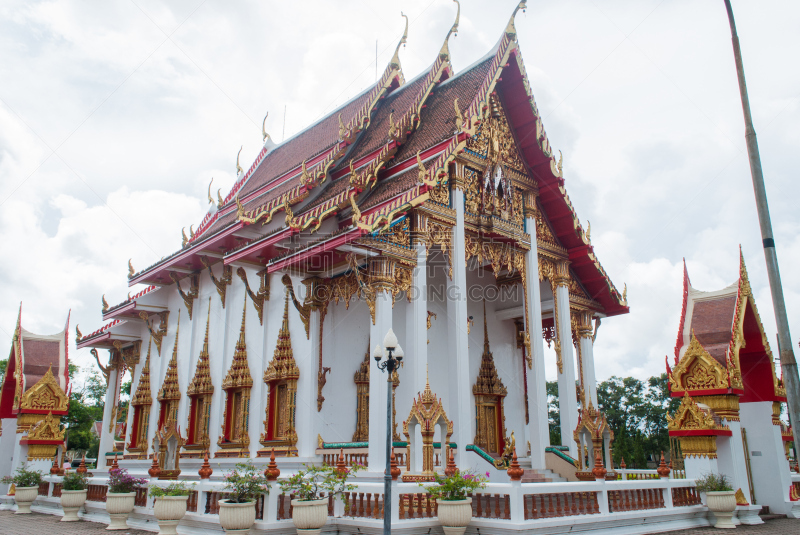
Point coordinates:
[(394, 356)]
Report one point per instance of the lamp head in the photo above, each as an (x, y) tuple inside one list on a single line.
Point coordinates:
[(398, 353), (390, 342), (377, 353)]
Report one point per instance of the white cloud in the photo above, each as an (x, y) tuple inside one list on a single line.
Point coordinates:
[(640, 96)]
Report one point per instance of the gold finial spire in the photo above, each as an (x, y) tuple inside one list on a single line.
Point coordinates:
[(239, 169), (264, 134), (421, 168), (485, 330), (239, 372), (220, 202), (210, 199), (201, 383), (305, 177), (444, 53), (78, 334), (105, 303), (395, 62), (588, 231), (170, 389), (191, 230), (131, 271), (342, 129), (392, 126), (459, 117), (184, 239), (239, 207), (511, 30), (143, 396)]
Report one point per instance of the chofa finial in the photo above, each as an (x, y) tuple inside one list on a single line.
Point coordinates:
[(511, 31), (239, 170), (444, 53), (264, 134), (210, 199), (403, 40), (131, 271)]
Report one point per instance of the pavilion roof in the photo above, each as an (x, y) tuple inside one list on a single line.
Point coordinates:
[(311, 173)]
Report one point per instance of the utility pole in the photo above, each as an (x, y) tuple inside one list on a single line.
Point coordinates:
[(791, 381)]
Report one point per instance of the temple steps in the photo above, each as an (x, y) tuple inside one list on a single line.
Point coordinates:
[(541, 476)]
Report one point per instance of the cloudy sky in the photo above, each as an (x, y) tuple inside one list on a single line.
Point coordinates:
[(115, 115)]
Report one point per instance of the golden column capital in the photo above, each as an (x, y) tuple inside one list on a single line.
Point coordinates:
[(529, 203), (561, 275), (381, 274)]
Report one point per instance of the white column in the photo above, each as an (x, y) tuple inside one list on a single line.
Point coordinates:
[(417, 323), (567, 400), (106, 437), (589, 381), (306, 359), (380, 278), (417, 349), (460, 405), (538, 429)]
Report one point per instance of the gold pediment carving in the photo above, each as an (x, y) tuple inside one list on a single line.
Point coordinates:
[(690, 417), (46, 394), (49, 428), (697, 370)]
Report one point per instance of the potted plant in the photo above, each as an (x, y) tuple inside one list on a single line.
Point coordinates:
[(454, 507), (170, 505), (312, 488), (26, 484), (73, 495), (245, 483), (121, 496), (720, 498)]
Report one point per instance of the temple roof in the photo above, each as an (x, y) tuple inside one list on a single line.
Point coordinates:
[(367, 151), (34, 359), (721, 330)]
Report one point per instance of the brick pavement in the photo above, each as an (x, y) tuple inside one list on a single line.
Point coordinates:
[(39, 523)]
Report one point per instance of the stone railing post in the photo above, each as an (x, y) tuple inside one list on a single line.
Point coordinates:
[(517, 505)]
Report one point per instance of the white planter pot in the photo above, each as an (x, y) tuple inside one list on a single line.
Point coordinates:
[(119, 506), (309, 515), (24, 497), (722, 504), (455, 515), (237, 517), (169, 510), (71, 503)]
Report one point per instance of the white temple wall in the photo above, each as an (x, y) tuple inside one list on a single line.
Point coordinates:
[(768, 464), (7, 440), (223, 321), (345, 339)]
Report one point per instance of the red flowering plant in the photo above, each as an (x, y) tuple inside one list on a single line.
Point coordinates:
[(119, 482), (456, 486)]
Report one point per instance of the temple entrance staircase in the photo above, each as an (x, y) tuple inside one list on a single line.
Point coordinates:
[(541, 476)]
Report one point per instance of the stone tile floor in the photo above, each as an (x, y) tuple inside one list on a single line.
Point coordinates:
[(38, 523), (775, 526)]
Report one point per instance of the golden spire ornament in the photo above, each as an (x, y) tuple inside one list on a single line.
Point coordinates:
[(444, 53), (239, 170), (264, 134), (210, 199)]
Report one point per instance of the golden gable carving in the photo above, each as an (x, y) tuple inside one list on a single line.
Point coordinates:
[(45, 395), (690, 416), (49, 428), (698, 370)]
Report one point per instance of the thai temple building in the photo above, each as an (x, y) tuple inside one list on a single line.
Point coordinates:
[(729, 418), (434, 207), (33, 398)]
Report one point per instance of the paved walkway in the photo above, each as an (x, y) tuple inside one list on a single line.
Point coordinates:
[(776, 526), (39, 523)]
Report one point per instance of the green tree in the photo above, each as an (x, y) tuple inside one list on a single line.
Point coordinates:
[(553, 413), (96, 389), (3, 367)]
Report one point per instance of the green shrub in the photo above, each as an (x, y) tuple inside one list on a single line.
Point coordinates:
[(456, 486), (178, 488), (74, 481), (311, 482), (245, 483), (24, 478), (713, 483)]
